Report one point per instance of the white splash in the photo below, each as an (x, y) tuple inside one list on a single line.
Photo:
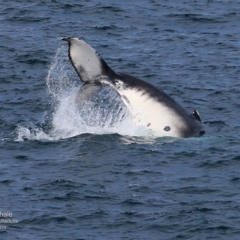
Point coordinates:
[(104, 114)]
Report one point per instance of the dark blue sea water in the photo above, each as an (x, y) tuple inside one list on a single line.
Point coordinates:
[(98, 176)]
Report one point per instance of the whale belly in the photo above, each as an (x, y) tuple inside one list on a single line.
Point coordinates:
[(152, 114)]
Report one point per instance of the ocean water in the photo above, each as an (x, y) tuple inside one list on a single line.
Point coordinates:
[(94, 174)]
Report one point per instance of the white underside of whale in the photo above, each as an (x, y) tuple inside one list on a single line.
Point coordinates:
[(149, 113)]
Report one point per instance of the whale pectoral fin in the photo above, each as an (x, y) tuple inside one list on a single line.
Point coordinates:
[(196, 115), (86, 92)]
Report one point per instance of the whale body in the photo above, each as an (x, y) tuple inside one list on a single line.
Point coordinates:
[(150, 106)]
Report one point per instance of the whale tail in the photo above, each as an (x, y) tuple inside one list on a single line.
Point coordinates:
[(88, 64), (90, 67)]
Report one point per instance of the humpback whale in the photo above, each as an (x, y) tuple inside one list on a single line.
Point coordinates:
[(150, 106)]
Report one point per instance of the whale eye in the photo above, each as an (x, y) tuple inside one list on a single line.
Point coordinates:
[(167, 129)]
